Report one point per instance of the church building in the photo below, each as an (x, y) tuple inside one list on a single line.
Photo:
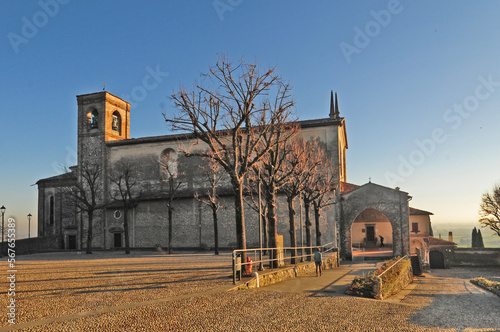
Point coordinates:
[(360, 217)]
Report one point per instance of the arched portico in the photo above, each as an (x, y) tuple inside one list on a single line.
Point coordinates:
[(369, 228), (391, 203)]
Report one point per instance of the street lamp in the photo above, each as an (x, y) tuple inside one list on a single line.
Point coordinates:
[(2, 209), (261, 268), (29, 225)]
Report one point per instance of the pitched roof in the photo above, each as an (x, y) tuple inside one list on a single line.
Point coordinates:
[(184, 136), (61, 178), (434, 241), (347, 187), (418, 212)]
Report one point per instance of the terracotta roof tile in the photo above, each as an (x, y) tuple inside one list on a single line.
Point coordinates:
[(434, 241), (414, 211)]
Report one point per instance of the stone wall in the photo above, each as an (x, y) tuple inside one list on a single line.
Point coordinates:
[(193, 225), (299, 270), (37, 244), (394, 280), (476, 257), (391, 202)]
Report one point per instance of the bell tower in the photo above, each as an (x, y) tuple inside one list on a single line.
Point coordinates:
[(102, 117), (340, 149)]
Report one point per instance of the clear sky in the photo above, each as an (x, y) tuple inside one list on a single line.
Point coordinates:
[(418, 82)]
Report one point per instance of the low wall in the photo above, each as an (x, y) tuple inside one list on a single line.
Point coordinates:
[(36, 244), (299, 270), (476, 257), (394, 280), (391, 278)]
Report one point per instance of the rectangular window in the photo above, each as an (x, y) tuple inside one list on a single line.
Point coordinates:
[(414, 227), (51, 210)]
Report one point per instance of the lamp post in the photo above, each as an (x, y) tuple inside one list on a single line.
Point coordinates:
[(2, 209), (261, 268), (29, 225)]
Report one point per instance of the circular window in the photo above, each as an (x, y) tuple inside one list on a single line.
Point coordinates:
[(117, 214)]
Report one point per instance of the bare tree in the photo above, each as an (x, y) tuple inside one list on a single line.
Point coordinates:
[(84, 195), (212, 173), (325, 188), (490, 210), (123, 175), (274, 173), (171, 176), (253, 200), (314, 187), (232, 116), (300, 166)]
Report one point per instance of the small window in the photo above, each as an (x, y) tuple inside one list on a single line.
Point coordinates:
[(51, 210), (414, 227), (168, 164), (116, 122), (92, 117), (117, 214)]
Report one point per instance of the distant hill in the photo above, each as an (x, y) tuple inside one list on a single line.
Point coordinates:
[(462, 234)]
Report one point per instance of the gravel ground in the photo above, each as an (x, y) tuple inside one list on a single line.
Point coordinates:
[(456, 303), (150, 291)]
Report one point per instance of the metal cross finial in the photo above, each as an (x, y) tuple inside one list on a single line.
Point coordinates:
[(103, 86)]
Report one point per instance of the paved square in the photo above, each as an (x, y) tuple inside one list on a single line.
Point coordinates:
[(153, 291)]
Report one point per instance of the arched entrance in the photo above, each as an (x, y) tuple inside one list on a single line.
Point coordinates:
[(436, 259), (371, 232), (375, 201)]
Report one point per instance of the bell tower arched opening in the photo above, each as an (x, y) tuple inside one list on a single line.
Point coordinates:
[(116, 122), (93, 118)]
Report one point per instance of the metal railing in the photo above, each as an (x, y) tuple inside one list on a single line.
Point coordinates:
[(283, 255), (382, 280)]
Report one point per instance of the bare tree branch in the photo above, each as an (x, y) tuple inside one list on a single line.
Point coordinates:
[(235, 114)]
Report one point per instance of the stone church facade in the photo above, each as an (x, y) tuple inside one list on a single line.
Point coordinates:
[(360, 215)]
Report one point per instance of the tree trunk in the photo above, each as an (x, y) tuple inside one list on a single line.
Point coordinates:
[(307, 208), (265, 242), (317, 216), (271, 219), (216, 230), (291, 219), (125, 227), (170, 228), (90, 214), (239, 216)]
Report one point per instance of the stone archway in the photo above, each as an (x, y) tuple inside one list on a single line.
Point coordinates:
[(392, 203), (436, 259), (371, 229)]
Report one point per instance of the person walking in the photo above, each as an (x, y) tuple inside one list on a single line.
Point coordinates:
[(318, 260), (381, 241)]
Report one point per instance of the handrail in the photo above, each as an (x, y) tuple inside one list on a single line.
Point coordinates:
[(390, 267), (309, 253), (379, 278)]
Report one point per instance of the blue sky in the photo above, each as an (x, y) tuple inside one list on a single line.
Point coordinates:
[(418, 82)]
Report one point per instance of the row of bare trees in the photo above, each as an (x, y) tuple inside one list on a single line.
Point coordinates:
[(245, 118)]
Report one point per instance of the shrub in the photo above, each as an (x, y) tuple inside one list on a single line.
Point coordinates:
[(367, 286), (493, 287)]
